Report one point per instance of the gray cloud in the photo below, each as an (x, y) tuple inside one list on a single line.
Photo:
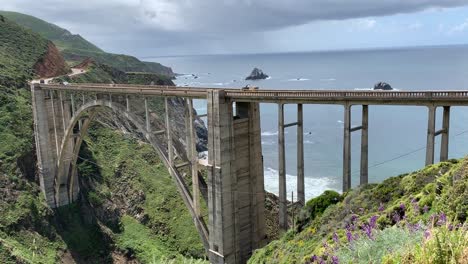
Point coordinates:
[(194, 26), (261, 15)]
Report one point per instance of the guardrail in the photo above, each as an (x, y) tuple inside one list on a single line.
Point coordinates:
[(269, 95)]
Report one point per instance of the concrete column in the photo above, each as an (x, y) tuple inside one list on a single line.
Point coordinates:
[(347, 149), (170, 149), (283, 208), (444, 148), (127, 103), (54, 118), (62, 109), (193, 156), (46, 162), (300, 155), (430, 135), (365, 145), (221, 180), (147, 117)]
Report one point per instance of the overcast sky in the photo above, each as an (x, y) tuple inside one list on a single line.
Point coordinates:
[(148, 28)]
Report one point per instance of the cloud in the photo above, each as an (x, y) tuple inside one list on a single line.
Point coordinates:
[(459, 28), (207, 26), (364, 24), (261, 15)]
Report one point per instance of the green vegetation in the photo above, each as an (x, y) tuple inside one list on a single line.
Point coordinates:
[(121, 62), (20, 50), (75, 48), (131, 168), (401, 201), (62, 38), (101, 73)]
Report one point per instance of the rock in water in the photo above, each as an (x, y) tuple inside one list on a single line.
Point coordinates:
[(257, 74), (382, 86)]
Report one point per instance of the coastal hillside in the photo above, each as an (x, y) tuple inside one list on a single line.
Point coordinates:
[(25, 54), (99, 228), (62, 38), (75, 48), (413, 218)]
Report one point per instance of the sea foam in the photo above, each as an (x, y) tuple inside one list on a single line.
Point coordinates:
[(313, 187)]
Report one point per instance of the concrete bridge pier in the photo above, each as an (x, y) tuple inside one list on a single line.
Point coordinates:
[(364, 127), (235, 180), (52, 113), (444, 148), (432, 133)]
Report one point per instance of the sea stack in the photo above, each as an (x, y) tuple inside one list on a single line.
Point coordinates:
[(257, 74), (382, 86)]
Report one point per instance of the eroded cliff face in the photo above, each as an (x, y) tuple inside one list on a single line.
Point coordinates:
[(51, 64)]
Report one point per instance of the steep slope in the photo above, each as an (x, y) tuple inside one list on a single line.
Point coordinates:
[(390, 220), (29, 231), (75, 48), (24, 54), (62, 38)]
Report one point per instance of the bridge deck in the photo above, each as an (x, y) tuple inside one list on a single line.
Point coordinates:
[(447, 98)]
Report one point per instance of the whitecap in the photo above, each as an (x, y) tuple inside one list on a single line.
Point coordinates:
[(309, 142), (299, 80), (340, 121), (313, 187), (328, 80), (269, 133)]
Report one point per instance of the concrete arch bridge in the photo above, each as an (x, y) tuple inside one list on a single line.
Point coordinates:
[(234, 190)]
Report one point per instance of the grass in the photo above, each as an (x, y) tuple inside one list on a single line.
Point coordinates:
[(101, 73), (412, 197), (17, 61), (62, 38), (129, 166)]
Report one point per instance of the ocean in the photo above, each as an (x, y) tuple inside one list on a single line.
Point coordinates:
[(397, 134)]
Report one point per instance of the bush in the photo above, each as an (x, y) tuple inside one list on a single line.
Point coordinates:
[(316, 207)]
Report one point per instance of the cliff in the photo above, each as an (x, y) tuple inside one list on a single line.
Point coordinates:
[(51, 64)]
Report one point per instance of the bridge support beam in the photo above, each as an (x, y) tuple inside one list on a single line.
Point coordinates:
[(283, 206), (364, 179), (347, 149), (444, 148), (430, 135), (235, 180), (300, 155)]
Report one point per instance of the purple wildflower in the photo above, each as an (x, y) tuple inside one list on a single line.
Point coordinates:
[(425, 209), (349, 235), (373, 221), (402, 207), (314, 258), (368, 231), (442, 219), (335, 260), (381, 207), (335, 238), (396, 218), (354, 218), (450, 227), (427, 234)]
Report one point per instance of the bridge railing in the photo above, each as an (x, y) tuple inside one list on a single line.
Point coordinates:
[(267, 95)]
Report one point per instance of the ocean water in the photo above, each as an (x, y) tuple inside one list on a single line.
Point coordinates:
[(397, 134)]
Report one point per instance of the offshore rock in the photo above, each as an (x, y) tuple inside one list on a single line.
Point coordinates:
[(257, 74), (382, 86)]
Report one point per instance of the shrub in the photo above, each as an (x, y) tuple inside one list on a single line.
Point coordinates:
[(316, 207)]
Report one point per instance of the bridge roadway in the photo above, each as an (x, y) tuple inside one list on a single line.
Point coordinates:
[(355, 97), (236, 224)]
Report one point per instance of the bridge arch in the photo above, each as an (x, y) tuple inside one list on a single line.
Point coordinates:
[(66, 166)]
